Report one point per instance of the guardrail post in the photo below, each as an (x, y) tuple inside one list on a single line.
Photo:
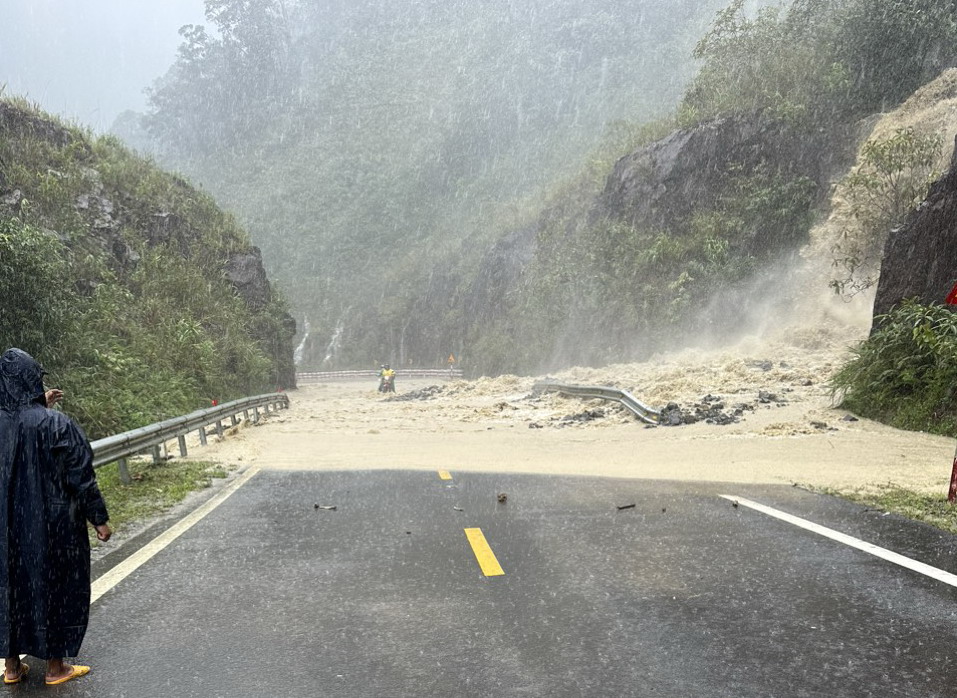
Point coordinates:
[(255, 415), (202, 435), (124, 472), (246, 415), (233, 420), (219, 428), (182, 445), (157, 455)]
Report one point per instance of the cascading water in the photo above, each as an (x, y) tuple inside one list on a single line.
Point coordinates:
[(297, 354), (334, 344)]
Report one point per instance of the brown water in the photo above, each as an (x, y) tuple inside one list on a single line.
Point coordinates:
[(494, 425)]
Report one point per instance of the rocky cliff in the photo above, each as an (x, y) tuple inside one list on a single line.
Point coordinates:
[(688, 171), (169, 302), (919, 255)]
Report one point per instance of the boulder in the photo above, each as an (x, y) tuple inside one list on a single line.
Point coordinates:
[(686, 172)]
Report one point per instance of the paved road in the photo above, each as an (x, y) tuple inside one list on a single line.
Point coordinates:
[(682, 595)]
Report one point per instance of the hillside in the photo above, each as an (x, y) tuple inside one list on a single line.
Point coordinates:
[(139, 295), (535, 185), (378, 150)]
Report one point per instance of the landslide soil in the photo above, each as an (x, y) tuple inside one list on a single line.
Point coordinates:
[(796, 436), (787, 429)]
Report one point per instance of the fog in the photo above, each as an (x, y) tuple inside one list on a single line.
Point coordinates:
[(88, 61), (426, 177)]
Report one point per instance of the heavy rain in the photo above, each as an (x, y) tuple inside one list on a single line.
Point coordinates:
[(501, 347)]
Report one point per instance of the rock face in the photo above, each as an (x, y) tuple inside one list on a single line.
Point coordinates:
[(21, 123), (687, 171), (919, 256), (117, 211), (245, 271)]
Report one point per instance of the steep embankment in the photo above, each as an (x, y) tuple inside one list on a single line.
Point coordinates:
[(918, 256), (689, 240), (142, 298), (930, 112)]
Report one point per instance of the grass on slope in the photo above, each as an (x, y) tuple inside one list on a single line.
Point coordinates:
[(155, 488), (934, 510)]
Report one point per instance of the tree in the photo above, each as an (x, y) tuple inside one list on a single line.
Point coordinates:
[(889, 47), (892, 177)]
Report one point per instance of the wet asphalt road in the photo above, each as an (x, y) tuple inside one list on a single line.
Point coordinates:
[(682, 595)]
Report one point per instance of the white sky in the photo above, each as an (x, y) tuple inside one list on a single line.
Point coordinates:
[(89, 60)]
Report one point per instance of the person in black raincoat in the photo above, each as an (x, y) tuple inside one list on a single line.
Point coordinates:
[(48, 492)]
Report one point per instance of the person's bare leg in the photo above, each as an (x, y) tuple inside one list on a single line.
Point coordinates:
[(57, 669), (12, 667)]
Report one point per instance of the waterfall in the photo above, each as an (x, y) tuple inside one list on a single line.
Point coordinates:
[(333, 347), (297, 355)]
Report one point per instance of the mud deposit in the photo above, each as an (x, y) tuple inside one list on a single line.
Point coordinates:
[(761, 411)]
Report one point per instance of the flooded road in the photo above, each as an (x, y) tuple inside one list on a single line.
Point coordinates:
[(497, 425)]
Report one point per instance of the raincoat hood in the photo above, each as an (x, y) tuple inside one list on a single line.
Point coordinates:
[(21, 379)]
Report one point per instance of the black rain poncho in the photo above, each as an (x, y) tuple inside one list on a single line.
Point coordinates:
[(48, 492)]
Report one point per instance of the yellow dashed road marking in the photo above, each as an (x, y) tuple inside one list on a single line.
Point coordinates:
[(445, 475), (483, 553)]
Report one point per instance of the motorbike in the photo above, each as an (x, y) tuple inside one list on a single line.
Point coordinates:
[(387, 383)]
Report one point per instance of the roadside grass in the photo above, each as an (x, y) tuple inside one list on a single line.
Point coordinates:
[(934, 510), (154, 489)]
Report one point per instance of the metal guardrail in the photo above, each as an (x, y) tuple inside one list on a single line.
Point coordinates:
[(321, 376), (629, 401), (130, 443)]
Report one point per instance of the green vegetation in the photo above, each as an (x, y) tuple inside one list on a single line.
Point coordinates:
[(820, 61), (905, 373), (113, 276), (934, 510), (377, 153), (423, 178), (893, 177), (642, 290), (154, 487)]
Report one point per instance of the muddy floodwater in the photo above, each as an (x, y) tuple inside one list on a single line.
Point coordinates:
[(779, 425), (769, 414)]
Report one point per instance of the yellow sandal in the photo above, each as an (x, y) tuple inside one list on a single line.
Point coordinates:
[(77, 672), (22, 674)]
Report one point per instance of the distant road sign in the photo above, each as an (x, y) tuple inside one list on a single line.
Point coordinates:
[(451, 358)]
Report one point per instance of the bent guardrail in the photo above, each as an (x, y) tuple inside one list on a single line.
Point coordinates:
[(623, 397), (119, 447), (320, 376)]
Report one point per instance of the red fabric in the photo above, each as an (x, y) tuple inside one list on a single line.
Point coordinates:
[(952, 493), (951, 298)]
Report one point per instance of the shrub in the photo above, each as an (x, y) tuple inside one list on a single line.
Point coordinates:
[(893, 176), (905, 373)]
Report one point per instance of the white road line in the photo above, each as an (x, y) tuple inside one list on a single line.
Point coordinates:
[(116, 575), (883, 553)]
